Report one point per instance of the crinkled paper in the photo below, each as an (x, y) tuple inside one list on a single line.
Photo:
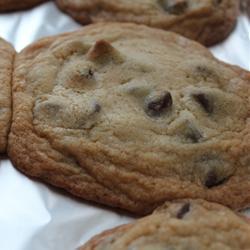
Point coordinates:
[(34, 216)]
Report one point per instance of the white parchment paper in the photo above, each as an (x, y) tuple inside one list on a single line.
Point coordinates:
[(34, 216)]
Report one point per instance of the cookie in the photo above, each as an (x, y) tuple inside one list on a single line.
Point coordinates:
[(131, 116), (6, 66), (13, 5), (181, 225), (207, 21)]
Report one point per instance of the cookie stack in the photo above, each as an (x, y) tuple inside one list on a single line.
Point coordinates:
[(131, 117)]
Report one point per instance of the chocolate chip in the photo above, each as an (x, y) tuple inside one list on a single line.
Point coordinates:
[(194, 137), (192, 133), (158, 103), (217, 2), (97, 108), (213, 180), (175, 7), (213, 170), (90, 74), (204, 101), (184, 209)]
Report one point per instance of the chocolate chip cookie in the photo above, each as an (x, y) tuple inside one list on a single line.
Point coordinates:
[(207, 21), (6, 66), (13, 5), (131, 116), (182, 225)]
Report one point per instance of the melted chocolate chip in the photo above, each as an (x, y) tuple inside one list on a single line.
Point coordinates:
[(90, 74), (193, 134), (175, 7), (213, 180), (213, 170), (97, 108), (158, 103), (184, 209), (203, 100), (194, 137), (217, 2)]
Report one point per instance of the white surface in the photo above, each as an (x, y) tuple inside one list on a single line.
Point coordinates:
[(34, 216)]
